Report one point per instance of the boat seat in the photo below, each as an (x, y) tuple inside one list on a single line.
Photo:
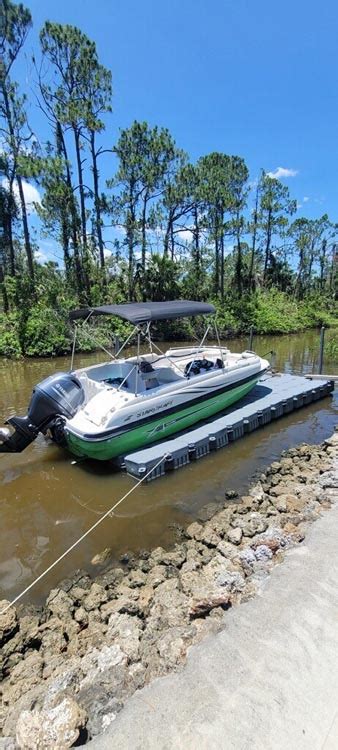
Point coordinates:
[(90, 387)]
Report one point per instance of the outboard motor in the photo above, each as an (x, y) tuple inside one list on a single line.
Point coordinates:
[(60, 395)]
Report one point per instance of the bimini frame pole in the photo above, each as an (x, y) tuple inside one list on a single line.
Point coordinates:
[(198, 350), (219, 342), (138, 360), (73, 347)]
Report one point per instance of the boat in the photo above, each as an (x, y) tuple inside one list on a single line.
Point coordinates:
[(110, 409)]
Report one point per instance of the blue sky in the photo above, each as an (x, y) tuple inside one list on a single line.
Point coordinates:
[(247, 77)]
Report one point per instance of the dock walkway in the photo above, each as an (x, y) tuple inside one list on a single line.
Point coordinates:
[(272, 397)]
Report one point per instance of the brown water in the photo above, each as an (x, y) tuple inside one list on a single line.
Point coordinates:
[(46, 501)]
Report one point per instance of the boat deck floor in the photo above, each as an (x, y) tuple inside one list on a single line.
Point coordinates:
[(274, 396)]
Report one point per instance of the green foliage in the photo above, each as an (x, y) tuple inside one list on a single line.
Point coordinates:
[(331, 346), (46, 334), (9, 335), (184, 230)]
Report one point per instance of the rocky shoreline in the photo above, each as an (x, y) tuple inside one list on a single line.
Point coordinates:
[(68, 667)]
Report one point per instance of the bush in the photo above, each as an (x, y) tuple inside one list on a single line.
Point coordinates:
[(10, 345), (46, 333), (275, 312), (331, 346)]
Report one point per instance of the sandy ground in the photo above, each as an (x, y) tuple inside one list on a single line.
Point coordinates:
[(268, 680)]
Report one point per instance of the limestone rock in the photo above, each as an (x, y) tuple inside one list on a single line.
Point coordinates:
[(235, 535), (57, 727), (101, 557), (253, 524), (97, 596), (59, 604), (125, 631), (8, 621), (203, 605)]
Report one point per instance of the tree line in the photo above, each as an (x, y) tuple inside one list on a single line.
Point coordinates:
[(162, 225)]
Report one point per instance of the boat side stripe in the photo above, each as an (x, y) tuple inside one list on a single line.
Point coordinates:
[(122, 429)]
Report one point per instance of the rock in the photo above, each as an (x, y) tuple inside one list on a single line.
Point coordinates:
[(125, 631), (57, 727), (208, 511), (8, 621), (231, 494), (145, 599), (247, 559), (173, 644), (136, 578), (263, 553), (81, 616), (101, 557), (279, 503), (253, 524), (226, 549), (126, 601), (52, 636), (7, 743), (110, 578), (234, 535), (232, 581), (156, 576), (97, 596), (274, 538), (293, 503), (78, 578), (102, 707), (110, 661), (194, 531), (202, 606), (257, 492), (25, 675), (59, 604)]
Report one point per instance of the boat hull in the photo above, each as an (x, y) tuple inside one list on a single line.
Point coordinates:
[(159, 428)]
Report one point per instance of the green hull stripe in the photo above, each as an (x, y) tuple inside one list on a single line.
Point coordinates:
[(157, 429)]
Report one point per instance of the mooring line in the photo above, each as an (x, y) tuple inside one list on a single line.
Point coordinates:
[(67, 551)]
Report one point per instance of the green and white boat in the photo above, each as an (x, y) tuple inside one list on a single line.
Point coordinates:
[(108, 410)]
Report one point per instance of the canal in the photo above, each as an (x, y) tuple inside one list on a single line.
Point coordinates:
[(47, 501)]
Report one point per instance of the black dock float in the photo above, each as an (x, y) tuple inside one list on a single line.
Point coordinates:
[(272, 397)]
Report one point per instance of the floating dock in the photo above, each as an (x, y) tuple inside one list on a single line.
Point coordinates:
[(272, 397)]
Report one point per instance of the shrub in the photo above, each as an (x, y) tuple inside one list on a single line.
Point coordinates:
[(46, 333), (9, 335)]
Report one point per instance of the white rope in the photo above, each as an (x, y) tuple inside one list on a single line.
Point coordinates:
[(64, 554)]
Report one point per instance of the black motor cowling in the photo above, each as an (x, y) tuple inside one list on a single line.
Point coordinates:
[(60, 395)]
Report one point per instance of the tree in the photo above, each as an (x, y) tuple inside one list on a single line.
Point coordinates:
[(15, 22), (78, 92), (145, 159), (98, 95), (221, 188), (275, 202), (239, 174)]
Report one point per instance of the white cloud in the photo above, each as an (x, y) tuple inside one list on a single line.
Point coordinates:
[(306, 199), (107, 253), (281, 172), (30, 192), (40, 256), (185, 235)]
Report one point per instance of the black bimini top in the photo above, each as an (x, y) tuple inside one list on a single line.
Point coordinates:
[(143, 312)]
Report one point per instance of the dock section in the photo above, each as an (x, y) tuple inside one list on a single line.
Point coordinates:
[(273, 396)]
